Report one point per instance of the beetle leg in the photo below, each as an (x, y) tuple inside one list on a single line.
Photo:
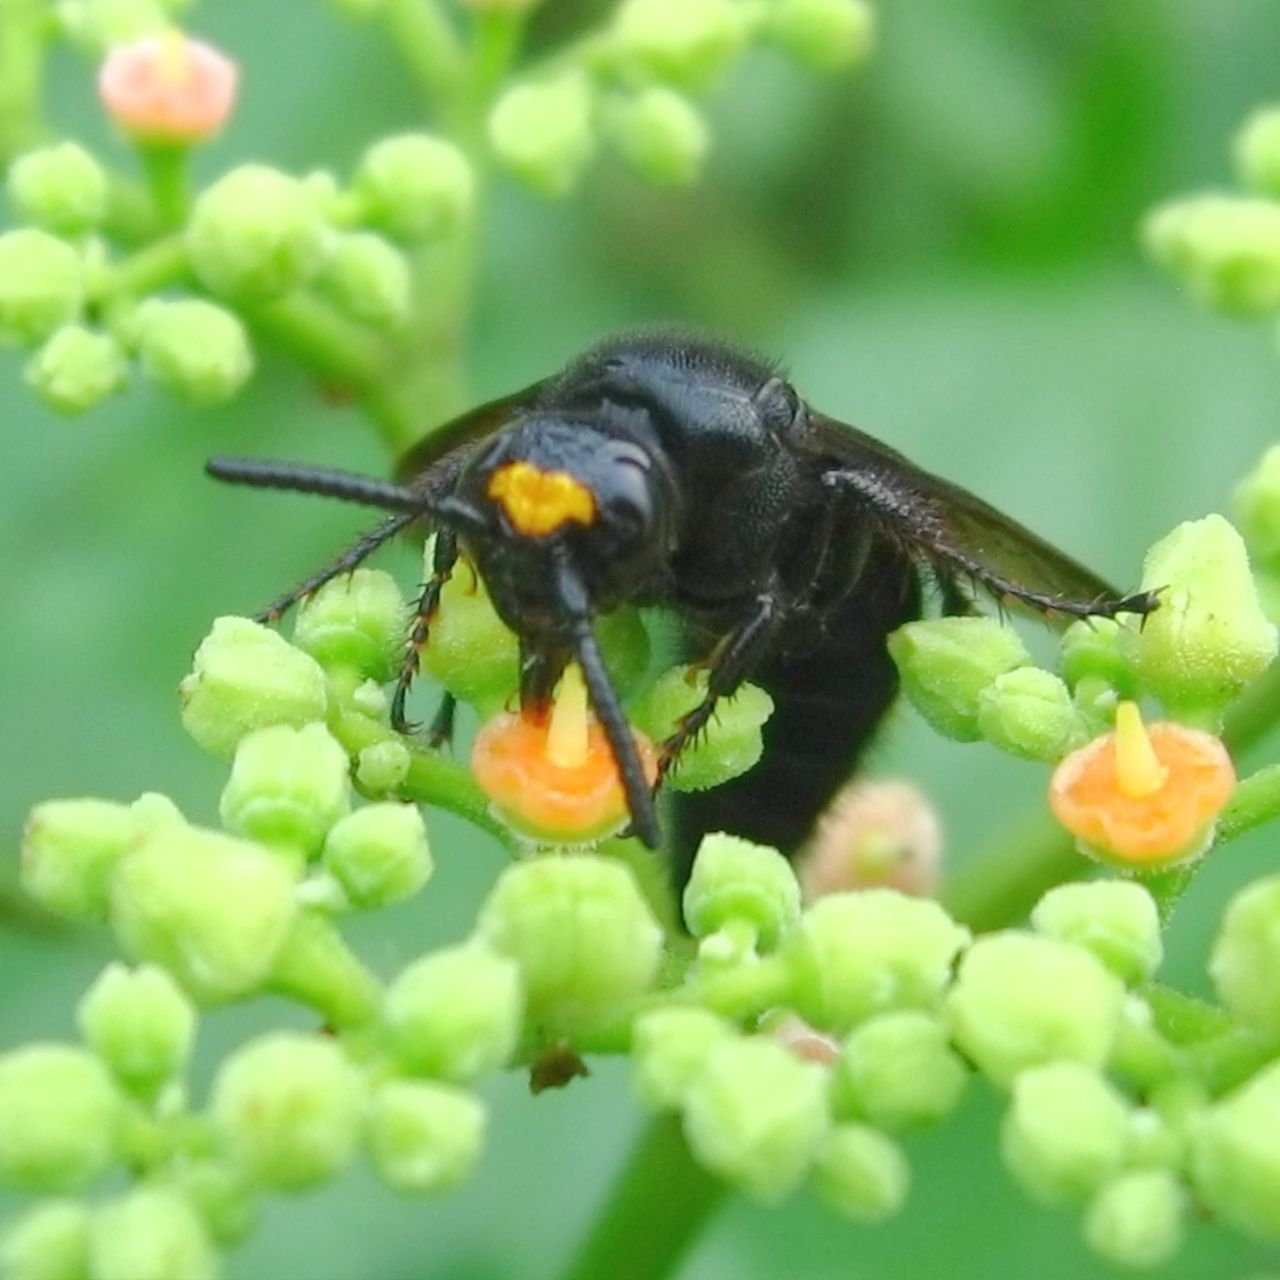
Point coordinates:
[(732, 660), (443, 560), (440, 731), (352, 557)]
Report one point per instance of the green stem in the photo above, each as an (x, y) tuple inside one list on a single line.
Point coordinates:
[(146, 271), (1001, 884), (168, 169), (432, 779), (1255, 800), (430, 48), (496, 35), (655, 1210), (22, 50)]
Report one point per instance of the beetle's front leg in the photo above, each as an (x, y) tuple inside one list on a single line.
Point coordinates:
[(443, 560), (728, 666)]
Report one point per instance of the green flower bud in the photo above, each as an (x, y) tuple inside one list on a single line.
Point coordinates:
[(1029, 713), (826, 35), (1091, 648), (455, 1014), (1245, 960), (61, 188), (1235, 1160), (730, 744), (49, 1242), (369, 279), (246, 677), (898, 1071), (1209, 637), (193, 349), (735, 880), (543, 131), (691, 42), (1257, 510), (475, 656), (77, 369), (469, 649), (861, 1173), (69, 853), (580, 931), (59, 1113), (1137, 1219), (1225, 248), (669, 1047), (946, 663), (212, 910), (415, 187), (661, 135), (1257, 151), (383, 766), (287, 787), (424, 1136), (357, 621), (287, 1106), (854, 955), (150, 1233), (140, 1023), (1115, 919), (41, 286), (380, 854), (1065, 1131), (1020, 1000), (756, 1116), (224, 1199), (255, 234)]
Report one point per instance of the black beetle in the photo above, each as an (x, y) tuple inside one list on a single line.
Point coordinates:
[(664, 469)]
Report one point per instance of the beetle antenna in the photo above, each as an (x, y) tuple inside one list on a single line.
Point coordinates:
[(347, 486), (604, 701)]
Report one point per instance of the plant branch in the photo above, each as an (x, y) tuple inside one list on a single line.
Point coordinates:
[(654, 1211)]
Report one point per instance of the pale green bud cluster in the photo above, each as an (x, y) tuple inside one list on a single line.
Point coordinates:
[(947, 663), (1224, 248), (196, 350), (633, 84), (42, 286), (731, 743), (581, 934), (1210, 636), (414, 187), (1257, 151), (77, 368), (60, 188)]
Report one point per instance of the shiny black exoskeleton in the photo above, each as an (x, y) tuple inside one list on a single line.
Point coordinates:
[(662, 469)]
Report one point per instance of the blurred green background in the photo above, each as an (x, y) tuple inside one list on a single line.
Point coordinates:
[(941, 248)]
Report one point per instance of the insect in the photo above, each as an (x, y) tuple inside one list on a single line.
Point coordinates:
[(670, 470)]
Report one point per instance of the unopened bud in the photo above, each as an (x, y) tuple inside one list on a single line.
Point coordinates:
[(876, 833), (288, 1107)]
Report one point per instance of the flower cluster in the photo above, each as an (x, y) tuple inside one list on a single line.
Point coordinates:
[(106, 276), (1143, 800)]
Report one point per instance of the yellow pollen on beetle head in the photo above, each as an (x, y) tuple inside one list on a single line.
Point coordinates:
[(538, 502), (1139, 772)]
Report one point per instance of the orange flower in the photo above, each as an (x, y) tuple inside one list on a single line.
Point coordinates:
[(1143, 797), (555, 778), (168, 88)]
